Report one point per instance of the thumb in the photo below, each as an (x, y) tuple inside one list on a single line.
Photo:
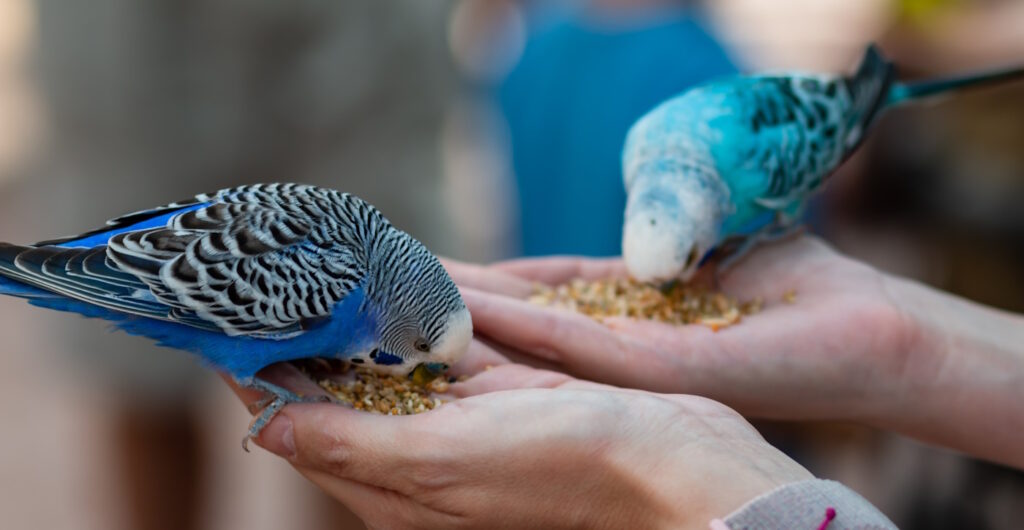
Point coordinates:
[(367, 448)]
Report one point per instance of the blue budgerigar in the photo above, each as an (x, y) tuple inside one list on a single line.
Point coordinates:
[(250, 276), (734, 161)]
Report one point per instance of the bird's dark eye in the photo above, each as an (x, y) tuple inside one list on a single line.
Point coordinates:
[(422, 345)]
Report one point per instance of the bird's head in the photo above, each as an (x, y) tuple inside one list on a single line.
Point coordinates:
[(677, 202), (424, 326), (667, 231)]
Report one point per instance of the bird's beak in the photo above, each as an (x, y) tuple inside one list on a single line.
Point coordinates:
[(666, 287), (427, 372)]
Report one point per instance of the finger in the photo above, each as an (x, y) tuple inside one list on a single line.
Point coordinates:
[(518, 377), (773, 269), (248, 396), (479, 357), (368, 448), (619, 351), (368, 502), (672, 358), (560, 269), (487, 279), (548, 333), (515, 356), (509, 377), (653, 332), (568, 341), (378, 507), (286, 375), (738, 365)]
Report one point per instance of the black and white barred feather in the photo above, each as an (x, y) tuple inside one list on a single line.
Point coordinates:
[(806, 125), (267, 261)]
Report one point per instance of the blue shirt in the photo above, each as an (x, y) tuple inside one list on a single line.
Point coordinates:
[(569, 103)]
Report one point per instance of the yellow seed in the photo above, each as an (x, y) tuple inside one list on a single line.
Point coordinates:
[(383, 394), (680, 304)]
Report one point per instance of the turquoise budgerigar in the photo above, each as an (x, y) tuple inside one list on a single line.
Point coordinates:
[(734, 161), (254, 275)]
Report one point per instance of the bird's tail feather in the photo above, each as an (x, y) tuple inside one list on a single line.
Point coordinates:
[(11, 287), (868, 87), (9, 284), (902, 92), (870, 84)]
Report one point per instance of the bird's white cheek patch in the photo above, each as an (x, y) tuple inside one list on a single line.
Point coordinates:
[(650, 250), (455, 342)]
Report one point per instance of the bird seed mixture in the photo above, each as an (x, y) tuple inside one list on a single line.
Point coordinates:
[(622, 297), (679, 304), (367, 390), (386, 394)]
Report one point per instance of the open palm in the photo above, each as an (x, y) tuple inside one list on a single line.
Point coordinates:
[(840, 350)]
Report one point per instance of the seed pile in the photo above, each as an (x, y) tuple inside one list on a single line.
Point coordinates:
[(622, 297), (384, 394)]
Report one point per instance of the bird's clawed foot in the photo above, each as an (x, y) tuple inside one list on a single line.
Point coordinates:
[(277, 397)]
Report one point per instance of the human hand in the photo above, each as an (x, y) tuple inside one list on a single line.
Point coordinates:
[(855, 345), (527, 448), (831, 354)]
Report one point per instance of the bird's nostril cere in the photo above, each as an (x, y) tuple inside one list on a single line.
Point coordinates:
[(427, 372)]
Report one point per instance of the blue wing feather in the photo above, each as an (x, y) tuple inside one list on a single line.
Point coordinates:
[(347, 331), (154, 218)]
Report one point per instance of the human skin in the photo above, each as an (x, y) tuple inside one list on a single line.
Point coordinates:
[(528, 448), (857, 345)]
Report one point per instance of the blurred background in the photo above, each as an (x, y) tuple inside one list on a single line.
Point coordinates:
[(487, 129)]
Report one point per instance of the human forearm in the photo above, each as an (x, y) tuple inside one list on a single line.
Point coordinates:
[(962, 385)]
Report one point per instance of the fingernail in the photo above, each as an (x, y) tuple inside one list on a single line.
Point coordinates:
[(279, 437)]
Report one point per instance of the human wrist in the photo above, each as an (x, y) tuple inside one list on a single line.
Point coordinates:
[(722, 481), (961, 379), (677, 461)]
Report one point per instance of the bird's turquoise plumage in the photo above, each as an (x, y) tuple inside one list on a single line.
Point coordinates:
[(740, 156), (254, 275)]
